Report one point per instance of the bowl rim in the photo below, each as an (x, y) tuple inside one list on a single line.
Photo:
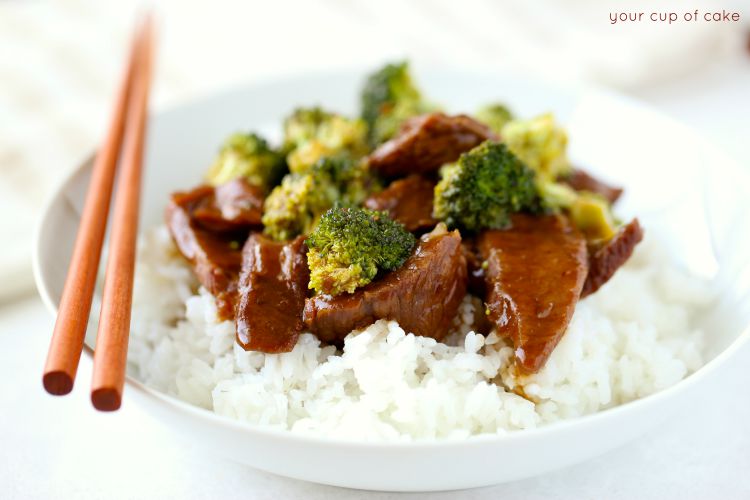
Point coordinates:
[(509, 437)]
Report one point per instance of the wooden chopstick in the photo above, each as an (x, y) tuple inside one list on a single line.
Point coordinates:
[(110, 353), (75, 304)]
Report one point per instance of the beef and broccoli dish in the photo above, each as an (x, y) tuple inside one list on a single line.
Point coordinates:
[(399, 213)]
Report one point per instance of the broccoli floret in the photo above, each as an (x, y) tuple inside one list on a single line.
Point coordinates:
[(248, 156), (540, 143), (592, 215), (388, 98), (489, 183), (351, 245), (494, 116), (295, 205), (312, 133), (484, 187), (352, 178), (303, 124), (589, 212)]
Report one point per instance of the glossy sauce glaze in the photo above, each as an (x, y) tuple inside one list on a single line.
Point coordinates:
[(215, 256), (272, 290), (607, 258), (535, 273), (234, 206), (427, 142), (408, 201)]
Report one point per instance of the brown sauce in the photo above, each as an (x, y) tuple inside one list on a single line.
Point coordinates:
[(408, 201), (606, 259), (427, 142), (233, 206), (580, 180), (272, 290), (213, 244), (535, 273), (216, 258)]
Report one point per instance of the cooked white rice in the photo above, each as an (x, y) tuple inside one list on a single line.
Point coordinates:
[(632, 338)]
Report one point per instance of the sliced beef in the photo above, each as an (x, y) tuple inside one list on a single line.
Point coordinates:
[(273, 286), (583, 181), (535, 274), (233, 206), (605, 260), (216, 257), (423, 295), (426, 142), (408, 201)]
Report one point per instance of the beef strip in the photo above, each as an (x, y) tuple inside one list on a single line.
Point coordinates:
[(216, 257), (408, 201), (423, 295), (607, 258), (233, 206), (583, 181), (535, 274), (426, 142), (272, 289)]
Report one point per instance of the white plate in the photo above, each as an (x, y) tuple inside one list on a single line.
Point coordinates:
[(679, 186)]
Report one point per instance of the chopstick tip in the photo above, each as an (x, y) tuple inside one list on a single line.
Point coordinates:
[(106, 399), (57, 383)]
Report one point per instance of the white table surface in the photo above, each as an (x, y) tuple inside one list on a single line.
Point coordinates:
[(61, 448)]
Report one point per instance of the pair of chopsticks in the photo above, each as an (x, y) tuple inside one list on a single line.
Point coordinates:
[(124, 142)]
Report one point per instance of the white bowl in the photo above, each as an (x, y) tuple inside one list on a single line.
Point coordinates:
[(679, 186)]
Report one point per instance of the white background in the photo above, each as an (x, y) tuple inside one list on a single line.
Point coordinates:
[(58, 65)]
